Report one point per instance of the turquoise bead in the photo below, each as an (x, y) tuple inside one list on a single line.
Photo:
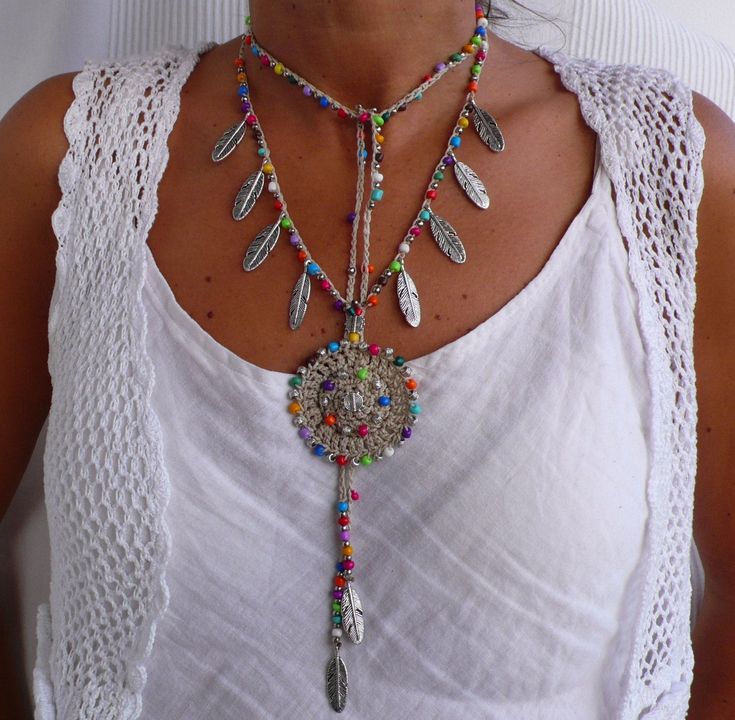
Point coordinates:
[(343, 506), (337, 619), (415, 409), (312, 268), (455, 141), (261, 152), (425, 215), (377, 194), (295, 381), (399, 361), (333, 347)]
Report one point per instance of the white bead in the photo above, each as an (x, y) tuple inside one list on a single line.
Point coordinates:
[(377, 177), (336, 632), (389, 452), (482, 22), (272, 187), (404, 248), (485, 45)]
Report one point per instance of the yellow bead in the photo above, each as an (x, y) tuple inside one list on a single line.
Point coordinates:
[(294, 408), (463, 122), (347, 551), (278, 69), (354, 337), (267, 168)]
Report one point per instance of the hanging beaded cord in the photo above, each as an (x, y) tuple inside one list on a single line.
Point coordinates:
[(354, 402)]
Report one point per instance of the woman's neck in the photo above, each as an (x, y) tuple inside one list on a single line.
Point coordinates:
[(368, 52)]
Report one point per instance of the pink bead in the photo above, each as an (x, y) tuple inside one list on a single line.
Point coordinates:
[(355, 495), (480, 55), (345, 535), (364, 117), (363, 430), (374, 349), (251, 119), (265, 60), (415, 230), (326, 285), (348, 564)]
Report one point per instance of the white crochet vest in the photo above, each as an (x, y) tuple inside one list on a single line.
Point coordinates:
[(105, 482)]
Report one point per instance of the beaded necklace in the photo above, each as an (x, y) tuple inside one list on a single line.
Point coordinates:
[(353, 402)]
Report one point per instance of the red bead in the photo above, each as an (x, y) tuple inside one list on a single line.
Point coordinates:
[(248, 39), (330, 420), (239, 62), (431, 194), (278, 205), (342, 460), (342, 113), (427, 78), (302, 255), (371, 268), (359, 311), (344, 520), (251, 119), (411, 384), (339, 581)]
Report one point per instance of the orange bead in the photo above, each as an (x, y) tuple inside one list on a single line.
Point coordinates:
[(472, 87), (302, 255), (239, 62), (347, 551), (294, 408), (330, 420), (372, 300), (241, 77), (379, 139), (468, 49), (371, 268), (411, 384), (339, 581)]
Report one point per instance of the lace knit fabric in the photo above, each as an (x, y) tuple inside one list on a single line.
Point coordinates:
[(106, 485)]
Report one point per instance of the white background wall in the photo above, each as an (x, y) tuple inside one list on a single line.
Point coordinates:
[(39, 38)]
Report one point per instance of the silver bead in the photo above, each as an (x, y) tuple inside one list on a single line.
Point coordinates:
[(420, 223)]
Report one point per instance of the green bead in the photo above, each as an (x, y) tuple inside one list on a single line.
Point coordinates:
[(395, 266), (456, 57), (425, 215), (336, 607), (366, 460), (386, 116), (399, 361), (362, 373), (293, 80), (438, 176), (476, 69), (378, 120), (296, 381), (476, 40), (248, 20), (286, 223)]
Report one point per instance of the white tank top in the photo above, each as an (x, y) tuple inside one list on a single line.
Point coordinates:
[(499, 554)]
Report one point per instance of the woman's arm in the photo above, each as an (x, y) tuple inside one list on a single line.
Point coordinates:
[(32, 144), (713, 694)]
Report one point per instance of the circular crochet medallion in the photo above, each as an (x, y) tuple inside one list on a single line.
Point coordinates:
[(354, 402)]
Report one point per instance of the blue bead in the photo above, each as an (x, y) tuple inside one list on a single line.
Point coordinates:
[(340, 567), (481, 32), (312, 268), (255, 51), (343, 506), (320, 450), (364, 154), (324, 102), (243, 90), (333, 346), (384, 400), (418, 96), (455, 141)]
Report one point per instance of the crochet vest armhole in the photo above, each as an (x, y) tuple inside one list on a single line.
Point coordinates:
[(652, 149)]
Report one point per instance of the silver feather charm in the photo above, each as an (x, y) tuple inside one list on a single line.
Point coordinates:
[(447, 239), (248, 195), (229, 141), (299, 302), (487, 128), (353, 621), (337, 683), (472, 185), (408, 299), (262, 246)]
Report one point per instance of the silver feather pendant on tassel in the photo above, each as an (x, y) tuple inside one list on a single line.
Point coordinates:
[(487, 128), (471, 184), (229, 141), (447, 239), (299, 302), (337, 683), (262, 246), (408, 299), (248, 195), (353, 622)]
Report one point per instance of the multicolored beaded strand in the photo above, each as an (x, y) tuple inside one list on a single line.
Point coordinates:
[(354, 402)]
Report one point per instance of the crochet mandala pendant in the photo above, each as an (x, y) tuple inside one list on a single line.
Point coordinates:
[(353, 404)]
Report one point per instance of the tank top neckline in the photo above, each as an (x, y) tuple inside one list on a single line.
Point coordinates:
[(195, 339)]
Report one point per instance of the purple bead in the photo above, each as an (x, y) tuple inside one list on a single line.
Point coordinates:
[(351, 217), (406, 433), (337, 594), (295, 239), (307, 91), (447, 160), (345, 535), (245, 107), (339, 305), (328, 385), (440, 67), (304, 433)]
